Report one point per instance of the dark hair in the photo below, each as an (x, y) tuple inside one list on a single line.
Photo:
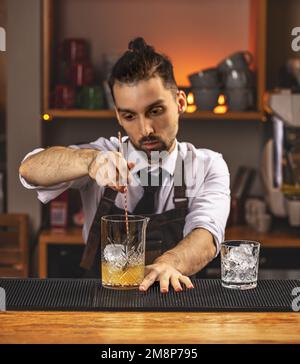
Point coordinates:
[(141, 62)]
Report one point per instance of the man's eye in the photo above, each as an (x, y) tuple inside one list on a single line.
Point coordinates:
[(128, 117), (157, 110)]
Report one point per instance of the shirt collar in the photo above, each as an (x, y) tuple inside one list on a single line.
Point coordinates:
[(168, 162)]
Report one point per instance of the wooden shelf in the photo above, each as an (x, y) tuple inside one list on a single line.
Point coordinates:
[(280, 237), (198, 115), (230, 115), (77, 113), (257, 46), (67, 236), (14, 247), (70, 236)]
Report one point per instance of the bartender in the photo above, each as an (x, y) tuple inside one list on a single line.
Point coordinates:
[(187, 218)]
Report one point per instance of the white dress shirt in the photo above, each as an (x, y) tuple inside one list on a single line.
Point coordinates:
[(206, 175)]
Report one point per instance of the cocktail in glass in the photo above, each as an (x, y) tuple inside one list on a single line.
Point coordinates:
[(123, 251)]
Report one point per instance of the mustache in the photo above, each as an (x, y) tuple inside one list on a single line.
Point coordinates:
[(150, 138)]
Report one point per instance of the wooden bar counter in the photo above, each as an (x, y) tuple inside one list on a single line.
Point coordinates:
[(152, 327), (149, 327)]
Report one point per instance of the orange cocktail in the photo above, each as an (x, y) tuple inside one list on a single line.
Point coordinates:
[(123, 250), (123, 278)]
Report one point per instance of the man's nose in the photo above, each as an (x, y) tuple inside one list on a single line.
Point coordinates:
[(146, 126)]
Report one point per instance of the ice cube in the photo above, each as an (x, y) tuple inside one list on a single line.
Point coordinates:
[(246, 249), (242, 252), (241, 257), (115, 255)]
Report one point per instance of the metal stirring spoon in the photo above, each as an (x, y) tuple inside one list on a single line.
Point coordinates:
[(126, 188)]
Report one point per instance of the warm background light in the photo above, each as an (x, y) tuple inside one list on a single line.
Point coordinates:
[(191, 108), (46, 117), (221, 100), (194, 34), (190, 103), (221, 108), (190, 98)]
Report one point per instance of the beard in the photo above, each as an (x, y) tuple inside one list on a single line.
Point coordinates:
[(160, 146)]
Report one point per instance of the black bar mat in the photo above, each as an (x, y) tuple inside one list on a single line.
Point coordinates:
[(88, 295)]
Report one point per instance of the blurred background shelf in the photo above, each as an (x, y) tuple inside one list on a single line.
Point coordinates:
[(231, 115), (60, 251), (281, 236), (198, 115), (58, 24), (76, 113)]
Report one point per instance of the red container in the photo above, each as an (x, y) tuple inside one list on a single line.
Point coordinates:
[(81, 74), (75, 50), (64, 97), (59, 212)]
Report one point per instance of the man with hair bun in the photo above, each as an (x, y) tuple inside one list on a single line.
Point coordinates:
[(189, 207)]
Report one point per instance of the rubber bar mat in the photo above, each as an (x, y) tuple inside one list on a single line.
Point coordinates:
[(88, 295)]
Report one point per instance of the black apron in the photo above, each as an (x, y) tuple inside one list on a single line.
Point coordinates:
[(163, 232)]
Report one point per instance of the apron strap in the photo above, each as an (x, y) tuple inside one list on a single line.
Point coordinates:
[(93, 241), (180, 200)]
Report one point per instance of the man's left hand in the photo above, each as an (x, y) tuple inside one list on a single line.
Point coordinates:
[(164, 273)]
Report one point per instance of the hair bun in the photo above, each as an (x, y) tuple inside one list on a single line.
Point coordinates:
[(139, 45)]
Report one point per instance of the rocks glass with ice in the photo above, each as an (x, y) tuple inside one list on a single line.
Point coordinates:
[(239, 263), (123, 251)]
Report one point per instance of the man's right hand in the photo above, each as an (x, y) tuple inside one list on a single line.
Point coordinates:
[(111, 169)]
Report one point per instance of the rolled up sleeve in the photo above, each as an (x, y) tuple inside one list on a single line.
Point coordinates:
[(210, 208), (46, 194)]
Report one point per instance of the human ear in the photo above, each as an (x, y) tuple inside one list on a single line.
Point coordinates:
[(181, 101)]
